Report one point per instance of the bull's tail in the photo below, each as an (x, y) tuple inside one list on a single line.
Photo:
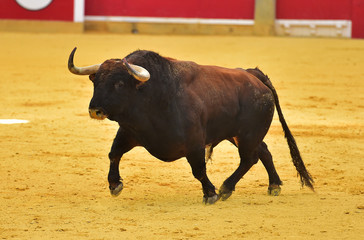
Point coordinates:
[(305, 176)]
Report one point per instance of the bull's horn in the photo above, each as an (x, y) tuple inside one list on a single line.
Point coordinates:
[(81, 70), (138, 72)]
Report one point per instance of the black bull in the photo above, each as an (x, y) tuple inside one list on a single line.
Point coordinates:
[(176, 108)]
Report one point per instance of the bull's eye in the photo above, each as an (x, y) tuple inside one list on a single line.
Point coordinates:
[(119, 85), (92, 77)]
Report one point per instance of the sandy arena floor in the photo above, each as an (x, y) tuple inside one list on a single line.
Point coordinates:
[(53, 170)]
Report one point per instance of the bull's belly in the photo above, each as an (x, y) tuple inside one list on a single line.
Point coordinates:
[(167, 152), (172, 151), (253, 121), (219, 131)]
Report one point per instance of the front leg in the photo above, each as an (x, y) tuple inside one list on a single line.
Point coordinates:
[(122, 144)]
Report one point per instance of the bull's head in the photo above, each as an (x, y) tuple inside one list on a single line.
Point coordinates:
[(112, 84)]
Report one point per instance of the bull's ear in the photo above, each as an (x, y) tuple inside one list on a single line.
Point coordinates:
[(92, 77)]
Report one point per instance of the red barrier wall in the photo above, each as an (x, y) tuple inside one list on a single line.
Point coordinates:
[(57, 10), (63, 10), (228, 9), (358, 19), (324, 10), (314, 9)]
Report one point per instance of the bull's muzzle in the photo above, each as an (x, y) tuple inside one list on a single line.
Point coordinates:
[(97, 113)]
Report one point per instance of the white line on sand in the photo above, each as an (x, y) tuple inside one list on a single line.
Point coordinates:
[(12, 121)]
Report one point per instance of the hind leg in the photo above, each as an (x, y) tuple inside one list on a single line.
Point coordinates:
[(265, 156), (248, 157)]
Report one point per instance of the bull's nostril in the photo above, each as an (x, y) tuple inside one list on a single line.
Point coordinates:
[(97, 114)]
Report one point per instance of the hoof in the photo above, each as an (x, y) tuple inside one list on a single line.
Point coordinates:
[(224, 193), (274, 190), (210, 200), (225, 196), (115, 191)]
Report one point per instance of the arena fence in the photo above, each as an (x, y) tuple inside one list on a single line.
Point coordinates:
[(312, 18)]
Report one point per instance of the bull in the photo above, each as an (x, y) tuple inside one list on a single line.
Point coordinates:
[(177, 109)]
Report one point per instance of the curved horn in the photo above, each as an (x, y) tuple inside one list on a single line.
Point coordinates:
[(81, 70), (138, 72)]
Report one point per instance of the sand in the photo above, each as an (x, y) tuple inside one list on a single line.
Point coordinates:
[(53, 170)]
